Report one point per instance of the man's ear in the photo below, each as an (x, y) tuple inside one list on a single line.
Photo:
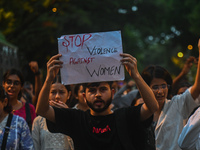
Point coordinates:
[(112, 92), (84, 97)]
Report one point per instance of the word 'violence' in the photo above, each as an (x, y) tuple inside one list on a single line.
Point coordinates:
[(113, 70), (101, 51), (86, 60)]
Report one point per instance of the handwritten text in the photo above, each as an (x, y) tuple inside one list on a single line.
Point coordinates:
[(100, 50), (86, 60), (105, 71), (75, 40)]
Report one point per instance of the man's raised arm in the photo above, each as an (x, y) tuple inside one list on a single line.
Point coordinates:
[(195, 90), (150, 103), (43, 108)]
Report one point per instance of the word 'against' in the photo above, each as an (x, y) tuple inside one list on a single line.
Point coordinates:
[(86, 60)]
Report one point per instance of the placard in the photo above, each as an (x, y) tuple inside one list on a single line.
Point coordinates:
[(91, 57)]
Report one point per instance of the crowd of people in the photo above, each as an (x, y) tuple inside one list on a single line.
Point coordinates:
[(152, 111)]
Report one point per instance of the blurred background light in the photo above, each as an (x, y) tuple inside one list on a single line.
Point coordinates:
[(180, 54), (54, 9)]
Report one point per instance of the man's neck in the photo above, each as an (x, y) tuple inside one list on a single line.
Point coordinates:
[(83, 107), (103, 113)]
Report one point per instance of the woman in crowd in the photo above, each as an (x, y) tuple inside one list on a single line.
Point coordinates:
[(14, 131), (78, 93), (13, 82), (168, 120), (43, 139)]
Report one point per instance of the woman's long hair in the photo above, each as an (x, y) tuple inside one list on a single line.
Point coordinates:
[(3, 95)]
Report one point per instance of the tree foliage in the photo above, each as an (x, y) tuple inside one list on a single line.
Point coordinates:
[(152, 30)]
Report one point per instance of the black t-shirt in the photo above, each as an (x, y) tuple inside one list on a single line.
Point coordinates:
[(98, 132)]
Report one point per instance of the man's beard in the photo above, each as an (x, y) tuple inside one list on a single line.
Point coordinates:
[(98, 110)]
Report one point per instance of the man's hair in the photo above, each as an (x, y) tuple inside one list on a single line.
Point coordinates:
[(96, 84), (3, 95), (155, 71)]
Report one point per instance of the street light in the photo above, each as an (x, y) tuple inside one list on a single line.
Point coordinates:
[(180, 54), (190, 47), (54, 9)]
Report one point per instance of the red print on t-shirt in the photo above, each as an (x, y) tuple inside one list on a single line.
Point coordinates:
[(100, 130)]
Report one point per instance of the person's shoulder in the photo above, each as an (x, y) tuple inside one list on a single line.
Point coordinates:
[(130, 108), (39, 118), (68, 111), (186, 94), (31, 106), (18, 118), (134, 91)]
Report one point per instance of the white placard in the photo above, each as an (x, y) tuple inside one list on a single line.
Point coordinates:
[(91, 57)]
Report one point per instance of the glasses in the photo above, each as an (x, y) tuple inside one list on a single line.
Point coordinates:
[(15, 82), (157, 87)]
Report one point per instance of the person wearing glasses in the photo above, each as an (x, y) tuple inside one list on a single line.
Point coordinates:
[(168, 119), (13, 82), (14, 131)]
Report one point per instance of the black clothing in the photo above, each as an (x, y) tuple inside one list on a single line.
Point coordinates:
[(121, 129)]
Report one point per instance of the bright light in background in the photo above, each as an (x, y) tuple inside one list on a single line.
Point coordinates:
[(175, 31), (180, 54), (54, 9), (162, 41), (134, 8), (190, 47), (122, 11), (150, 38)]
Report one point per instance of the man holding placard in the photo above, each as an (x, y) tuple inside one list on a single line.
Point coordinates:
[(100, 127)]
